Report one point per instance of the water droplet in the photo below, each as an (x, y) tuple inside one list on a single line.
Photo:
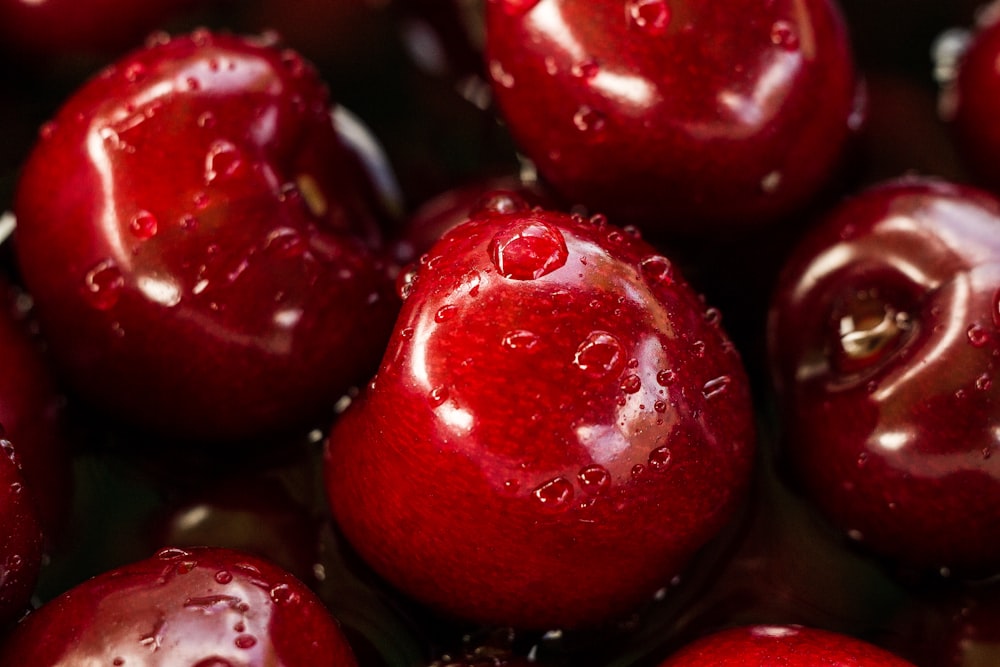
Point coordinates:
[(984, 382), (222, 161), (638, 469), (245, 641), (716, 386), (445, 313), (698, 347), (438, 395), (206, 120), (660, 406), (631, 384), (657, 270), (511, 485), (599, 354), (185, 566), (659, 459), (103, 285), (862, 459), (528, 249), (16, 487), (500, 75), (406, 333), (586, 69), (15, 562), (223, 577), (283, 594), (666, 377), (594, 479), (47, 130), (587, 119), (520, 340), (783, 34), (293, 63), (978, 336), (134, 72), (555, 493), (652, 16), (143, 225), (406, 281)]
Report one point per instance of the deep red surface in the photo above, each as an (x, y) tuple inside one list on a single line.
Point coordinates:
[(68, 27), (785, 645), (884, 345), (32, 416), (202, 607), (186, 226), (973, 104), (21, 546), (676, 114), (557, 426)]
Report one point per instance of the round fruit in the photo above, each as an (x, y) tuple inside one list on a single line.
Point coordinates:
[(677, 116), (202, 607), (785, 645), (884, 348), (186, 226), (558, 425)]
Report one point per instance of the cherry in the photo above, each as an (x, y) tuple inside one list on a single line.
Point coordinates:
[(71, 27), (884, 346), (969, 99), (187, 227), (787, 645), (678, 116), (559, 424), (21, 547), (201, 607)]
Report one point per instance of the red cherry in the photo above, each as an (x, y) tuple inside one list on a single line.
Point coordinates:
[(185, 226), (785, 645), (679, 116), (68, 27), (557, 427), (196, 607), (884, 348), (21, 547), (969, 99)]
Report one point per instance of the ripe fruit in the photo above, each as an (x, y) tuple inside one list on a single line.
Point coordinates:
[(884, 349), (21, 546), (785, 645), (186, 226), (558, 426), (198, 607), (678, 116)]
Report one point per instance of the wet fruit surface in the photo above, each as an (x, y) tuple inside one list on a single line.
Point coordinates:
[(188, 227), (558, 425), (21, 550), (195, 607), (883, 338), (674, 114)]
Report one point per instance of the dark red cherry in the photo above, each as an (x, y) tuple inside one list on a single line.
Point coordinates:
[(202, 607), (559, 424), (21, 546), (187, 227), (884, 347), (785, 645), (679, 115)]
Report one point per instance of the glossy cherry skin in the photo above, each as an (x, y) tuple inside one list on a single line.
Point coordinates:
[(678, 116), (971, 102), (21, 547), (187, 227), (70, 27), (33, 416), (785, 645), (557, 427), (884, 349), (202, 607)]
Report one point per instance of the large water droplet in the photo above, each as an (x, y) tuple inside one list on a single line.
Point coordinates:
[(438, 395), (222, 161), (659, 459), (978, 336), (528, 249), (245, 641), (223, 577), (283, 594), (445, 313), (631, 384), (652, 16), (143, 225), (657, 270), (555, 493), (783, 34), (520, 340), (594, 479), (103, 285), (716, 386), (599, 354)]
